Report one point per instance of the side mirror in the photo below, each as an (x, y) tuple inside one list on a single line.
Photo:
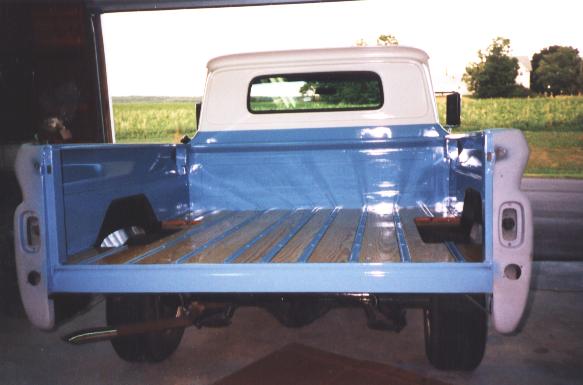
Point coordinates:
[(198, 107), (453, 109)]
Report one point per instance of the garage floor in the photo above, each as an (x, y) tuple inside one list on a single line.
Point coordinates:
[(549, 350)]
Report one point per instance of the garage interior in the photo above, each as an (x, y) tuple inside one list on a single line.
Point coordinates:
[(48, 49)]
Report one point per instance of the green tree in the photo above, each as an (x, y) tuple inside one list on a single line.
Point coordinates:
[(360, 92), (557, 70), (361, 43), (494, 75), (387, 40)]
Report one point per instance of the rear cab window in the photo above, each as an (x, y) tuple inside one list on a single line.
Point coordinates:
[(315, 92)]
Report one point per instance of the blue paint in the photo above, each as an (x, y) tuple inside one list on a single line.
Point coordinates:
[(245, 140), (454, 251), (218, 238), (401, 241), (103, 255), (295, 169), (123, 171), (466, 166), (317, 237), (233, 257), (284, 241), (356, 245), (56, 241), (470, 168), (196, 230), (332, 167), (277, 278), (488, 199)]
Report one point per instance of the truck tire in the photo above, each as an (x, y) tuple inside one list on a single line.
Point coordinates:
[(456, 329), (148, 347)]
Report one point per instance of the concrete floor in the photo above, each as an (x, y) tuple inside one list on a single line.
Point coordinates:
[(557, 206), (549, 350)]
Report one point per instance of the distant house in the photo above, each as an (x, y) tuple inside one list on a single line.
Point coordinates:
[(524, 70)]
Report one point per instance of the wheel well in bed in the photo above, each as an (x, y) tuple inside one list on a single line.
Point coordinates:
[(122, 213)]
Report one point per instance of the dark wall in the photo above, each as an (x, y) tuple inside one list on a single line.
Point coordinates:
[(10, 197), (47, 68)]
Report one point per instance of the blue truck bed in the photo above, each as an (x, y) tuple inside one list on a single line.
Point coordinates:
[(320, 250), (329, 210)]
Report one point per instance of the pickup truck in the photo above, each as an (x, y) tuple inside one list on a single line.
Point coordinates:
[(317, 178)]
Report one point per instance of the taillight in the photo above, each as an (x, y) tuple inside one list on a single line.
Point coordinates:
[(511, 224)]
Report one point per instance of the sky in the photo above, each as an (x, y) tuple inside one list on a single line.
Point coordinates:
[(164, 53)]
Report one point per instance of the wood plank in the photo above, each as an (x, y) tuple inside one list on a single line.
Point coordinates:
[(379, 243), (133, 251), (124, 253), (472, 252), (85, 254), (419, 250), (336, 244), (294, 248), (200, 238), (261, 248), (220, 251)]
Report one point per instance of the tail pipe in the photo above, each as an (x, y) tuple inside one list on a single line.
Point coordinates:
[(109, 332)]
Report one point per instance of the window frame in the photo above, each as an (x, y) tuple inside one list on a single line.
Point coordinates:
[(374, 108)]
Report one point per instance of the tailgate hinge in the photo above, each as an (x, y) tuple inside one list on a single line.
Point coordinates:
[(44, 166)]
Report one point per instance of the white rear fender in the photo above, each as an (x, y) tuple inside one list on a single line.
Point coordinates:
[(30, 240), (512, 231)]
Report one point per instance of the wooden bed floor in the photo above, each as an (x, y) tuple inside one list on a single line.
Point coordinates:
[(282, 236)]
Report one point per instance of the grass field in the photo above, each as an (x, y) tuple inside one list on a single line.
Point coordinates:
[(151, 121), (553, 126), (300, 105)]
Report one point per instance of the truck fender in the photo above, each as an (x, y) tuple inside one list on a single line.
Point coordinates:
[(512, 232), (30, 239)]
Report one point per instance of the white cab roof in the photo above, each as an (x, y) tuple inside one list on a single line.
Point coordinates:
[(336, 55), (404, 73)]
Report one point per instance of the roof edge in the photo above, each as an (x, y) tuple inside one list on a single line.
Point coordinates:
[(318, 54)]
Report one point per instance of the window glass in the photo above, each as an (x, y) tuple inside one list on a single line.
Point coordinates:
[(327, 91)]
